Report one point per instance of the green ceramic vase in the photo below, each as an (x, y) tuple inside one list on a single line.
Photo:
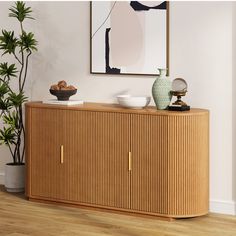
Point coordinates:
[(161, 90)]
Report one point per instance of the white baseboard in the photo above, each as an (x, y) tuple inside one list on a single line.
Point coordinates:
[(2, 174), (223, 207)]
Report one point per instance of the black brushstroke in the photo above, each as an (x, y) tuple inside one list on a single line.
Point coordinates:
[(104, 20), (109, 70), (137, 6)]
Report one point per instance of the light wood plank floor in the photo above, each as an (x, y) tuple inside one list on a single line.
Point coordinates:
[(19, 217)]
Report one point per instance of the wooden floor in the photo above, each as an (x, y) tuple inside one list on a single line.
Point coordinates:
[(19, 217)]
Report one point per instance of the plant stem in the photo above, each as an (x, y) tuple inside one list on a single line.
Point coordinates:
[(17, 147), (13, 156), (20, 132), (21, 71), (21, 26), (18, 144), (22, 60), (17, 58), (26, 69), (15, 150), (23, 152)]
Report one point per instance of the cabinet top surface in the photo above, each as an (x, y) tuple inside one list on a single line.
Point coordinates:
[(106, 107)]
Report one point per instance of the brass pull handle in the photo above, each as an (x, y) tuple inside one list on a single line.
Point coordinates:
[(62, 154), (130, 162)]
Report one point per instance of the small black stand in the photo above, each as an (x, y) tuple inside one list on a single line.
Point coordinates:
[(178, 108)]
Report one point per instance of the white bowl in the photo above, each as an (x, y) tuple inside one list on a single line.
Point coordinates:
[(133, 102)]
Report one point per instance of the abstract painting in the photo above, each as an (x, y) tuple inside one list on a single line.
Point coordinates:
[(128, 37)]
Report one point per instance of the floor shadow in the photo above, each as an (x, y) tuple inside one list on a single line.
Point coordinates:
[(18, 195)]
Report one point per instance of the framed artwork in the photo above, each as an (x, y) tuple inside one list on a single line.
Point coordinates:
[(129, 37)]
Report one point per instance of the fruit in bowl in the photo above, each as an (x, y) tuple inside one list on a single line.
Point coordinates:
[(62, 91)]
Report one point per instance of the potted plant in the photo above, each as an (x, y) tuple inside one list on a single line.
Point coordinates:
[(12, 95)]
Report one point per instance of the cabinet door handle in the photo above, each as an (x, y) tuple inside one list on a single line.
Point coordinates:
[(62, 154), (130, 162)]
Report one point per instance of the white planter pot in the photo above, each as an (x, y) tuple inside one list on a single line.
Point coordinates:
[(15, 178)]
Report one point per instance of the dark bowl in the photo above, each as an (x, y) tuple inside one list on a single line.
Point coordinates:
[(63, 95)]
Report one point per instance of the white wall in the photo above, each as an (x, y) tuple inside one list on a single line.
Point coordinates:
[(234, 102), (200, 52)]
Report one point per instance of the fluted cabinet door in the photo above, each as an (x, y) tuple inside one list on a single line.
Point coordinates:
[(97, 146), (149, 174), (46, 171), (188, 165), (170, 164)]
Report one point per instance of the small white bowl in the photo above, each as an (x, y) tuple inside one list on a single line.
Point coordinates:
[(133, 102)]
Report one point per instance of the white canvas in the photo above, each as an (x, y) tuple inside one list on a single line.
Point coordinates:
[(128, 37)]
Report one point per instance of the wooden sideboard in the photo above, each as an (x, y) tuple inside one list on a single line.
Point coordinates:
[(101, 155)]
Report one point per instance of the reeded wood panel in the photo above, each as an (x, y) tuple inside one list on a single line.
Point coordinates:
[(47, 174), (96, 155), (149, 175), (170, 164), (95, 165), (188, 165)]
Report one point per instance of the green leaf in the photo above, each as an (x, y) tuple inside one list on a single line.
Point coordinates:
[(3, 89), (5, 105), (17, 100), (27, 42), (20, 11), (8, 42), (7, 136), (8, 71), (11, 119)]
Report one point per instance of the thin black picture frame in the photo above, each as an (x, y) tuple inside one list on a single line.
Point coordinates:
[(135, 74)]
